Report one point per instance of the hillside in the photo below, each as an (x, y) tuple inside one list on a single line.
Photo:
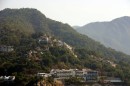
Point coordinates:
[(31, 20), (114, 34), (23, 29)]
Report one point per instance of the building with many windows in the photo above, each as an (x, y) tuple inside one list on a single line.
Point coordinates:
[(91, 76), (65, 74)]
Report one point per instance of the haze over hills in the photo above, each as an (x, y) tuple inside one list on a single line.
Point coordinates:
[(114, 34)]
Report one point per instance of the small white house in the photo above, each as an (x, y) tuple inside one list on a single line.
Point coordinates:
[(43, 75), (4, 48), (7, 78)]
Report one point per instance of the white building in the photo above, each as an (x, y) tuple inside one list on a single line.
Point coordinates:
[(79, 73), (7, 78), (5, 48), (65, 74), (60, 43), (112, 80), (43, 39), (68, 46), (43, 75)]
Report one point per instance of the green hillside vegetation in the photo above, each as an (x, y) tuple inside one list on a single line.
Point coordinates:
[(21, 29), (31, 20)]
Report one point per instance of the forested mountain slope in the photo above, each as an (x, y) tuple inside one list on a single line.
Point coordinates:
[(21, 28), (32, 21)]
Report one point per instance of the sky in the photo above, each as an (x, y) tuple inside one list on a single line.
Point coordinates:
[(74, 12)]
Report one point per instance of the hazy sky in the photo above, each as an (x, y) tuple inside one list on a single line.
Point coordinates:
[(74, 12)]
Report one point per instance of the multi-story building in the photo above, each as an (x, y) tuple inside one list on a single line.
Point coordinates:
[(92, 76), (65, 74), (79, 73)]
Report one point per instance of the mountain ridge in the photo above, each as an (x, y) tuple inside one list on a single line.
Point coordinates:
[(114, 34), (31, 20)]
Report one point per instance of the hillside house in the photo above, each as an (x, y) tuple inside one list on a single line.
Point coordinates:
[(60, 43), (43, 39), (68, 46), (4, 48), (7, 78), (114, 81), (45, 75), (79, 73), (63, 74)]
